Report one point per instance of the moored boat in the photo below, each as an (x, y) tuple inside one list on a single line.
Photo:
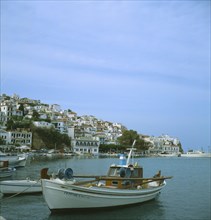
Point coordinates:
[(15, 161), (198, 153), (20, 186), (168, 154), (123, 185)]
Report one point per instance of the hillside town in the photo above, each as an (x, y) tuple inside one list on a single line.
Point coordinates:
[(87, 132)]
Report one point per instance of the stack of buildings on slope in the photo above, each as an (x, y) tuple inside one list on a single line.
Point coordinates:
[(163, 145), (86, 132)]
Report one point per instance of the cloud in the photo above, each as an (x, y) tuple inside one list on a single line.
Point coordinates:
[(111, 38), (145, 62)]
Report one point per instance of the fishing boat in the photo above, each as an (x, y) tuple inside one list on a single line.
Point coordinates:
[(15, 161), (20, 186), (25, 186), (123, 185)]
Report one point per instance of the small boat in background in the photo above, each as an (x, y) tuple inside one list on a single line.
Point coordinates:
[(15, 161), (168, 154), (123, 185), (198, 153), (20, 186), (26, 186)]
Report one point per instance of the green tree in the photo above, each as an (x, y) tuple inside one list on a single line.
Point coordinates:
[(50, 137), (35, 115), (111, 148), (10, 124), (21, 108), (15, 123), (128, 137), (180, 148)]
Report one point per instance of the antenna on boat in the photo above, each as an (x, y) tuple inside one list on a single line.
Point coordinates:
[(130, 153)]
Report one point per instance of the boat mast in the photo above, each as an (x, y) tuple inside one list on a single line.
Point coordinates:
[(130, 153)]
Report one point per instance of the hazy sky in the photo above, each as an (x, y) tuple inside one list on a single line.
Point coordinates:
[(145, 64)]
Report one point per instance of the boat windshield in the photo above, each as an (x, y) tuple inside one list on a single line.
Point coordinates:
[(114, 171), (129, 172)]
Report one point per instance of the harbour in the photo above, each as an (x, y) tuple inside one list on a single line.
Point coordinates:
[(187, 195), (105, 110)]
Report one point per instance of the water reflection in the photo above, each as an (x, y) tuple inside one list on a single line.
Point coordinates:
[(142, 211)]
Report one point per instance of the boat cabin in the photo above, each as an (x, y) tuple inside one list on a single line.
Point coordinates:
[(119, 176)]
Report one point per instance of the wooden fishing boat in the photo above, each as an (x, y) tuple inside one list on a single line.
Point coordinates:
[(123, 185)]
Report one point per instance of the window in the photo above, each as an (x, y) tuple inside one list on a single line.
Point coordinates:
[(115, 183)]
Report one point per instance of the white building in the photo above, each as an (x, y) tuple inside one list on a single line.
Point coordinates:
[(20, 137), (4, 135), (60, 126), (17, 137), (71, 132), (162, 144), (85, 145), (55, 108), (10, 110), (42, 124)]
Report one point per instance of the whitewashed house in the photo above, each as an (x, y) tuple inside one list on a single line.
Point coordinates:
[(85, 145), (17, 137), (42, 124)]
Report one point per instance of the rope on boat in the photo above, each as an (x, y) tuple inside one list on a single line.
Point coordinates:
[(16, 194)]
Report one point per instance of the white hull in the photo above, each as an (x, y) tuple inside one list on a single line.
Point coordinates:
[(15, 161), (20, 186), (168, 155), (60, 196), (21, 162), (196, 155)]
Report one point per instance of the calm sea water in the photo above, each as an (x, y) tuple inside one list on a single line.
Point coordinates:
[(186, 197)]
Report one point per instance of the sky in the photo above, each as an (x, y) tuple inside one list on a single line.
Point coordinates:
[(144, 64)]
